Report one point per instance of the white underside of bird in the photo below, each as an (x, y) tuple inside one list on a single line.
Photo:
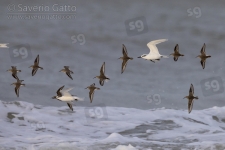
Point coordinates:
[(67, 97), (154, 52)]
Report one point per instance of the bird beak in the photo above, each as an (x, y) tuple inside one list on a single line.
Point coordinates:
[(139, 57)]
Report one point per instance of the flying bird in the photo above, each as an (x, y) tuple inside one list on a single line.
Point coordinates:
[(191, 98), (154, 52), (67, 71), (125, 58), (4, 45), (14, 72), (203, 56), (102, 76), (92, 89), (35, 66), (176, 53), (65, 96), (18, 84)]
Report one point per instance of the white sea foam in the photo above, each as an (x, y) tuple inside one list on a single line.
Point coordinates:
[(28, 126)]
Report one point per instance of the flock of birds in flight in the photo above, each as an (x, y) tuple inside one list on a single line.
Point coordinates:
[(154, 55)]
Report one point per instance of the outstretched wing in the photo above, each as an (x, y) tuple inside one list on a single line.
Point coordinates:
[(66, 92), (190, 105), (203, 64), (70, 106), (152, 46), (34, 71), (175, 58), (191, 91), (15, 76), (101, 82), (176, 49), (124, 50), (91, 94), (102, 70), (58, 91), (36, 61), (13, 67), (203, 49), (124, 64), (17, 89), (69, 75)]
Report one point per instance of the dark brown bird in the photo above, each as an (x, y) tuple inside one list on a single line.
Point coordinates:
[(125, 58), (176, 53), (14, 72), (35, 66), (18, 84), (203, 56), (92, 89), (102, 76), (191, 98), (67, 71)]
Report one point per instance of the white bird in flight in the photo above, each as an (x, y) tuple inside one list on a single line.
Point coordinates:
[(65, 96), (154, 52)]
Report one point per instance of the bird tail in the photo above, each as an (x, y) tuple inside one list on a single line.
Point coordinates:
[(164, 56), (196, 97)]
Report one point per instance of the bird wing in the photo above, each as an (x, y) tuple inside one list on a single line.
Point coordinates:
[(152, 46), (191, 91), (91, 94), (66, 92), (203, 64), (124, 64), (176, 49), (70, 106), (190, 105), (102, 70), (36, 61), (58, 91), (124, 50), (15, 76), (17, 88), (101, 82), (34, 71), (175, 58), (69, 75), (203, 49)]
